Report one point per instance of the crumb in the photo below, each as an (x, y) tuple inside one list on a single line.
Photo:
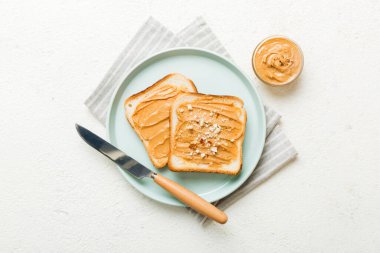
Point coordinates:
[(215, 128), (189, 107), (203, 155), (197, 151), (181, 110), (201, 122), (214, 150)]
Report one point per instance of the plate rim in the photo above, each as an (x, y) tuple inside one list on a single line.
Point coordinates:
[(171, 50)]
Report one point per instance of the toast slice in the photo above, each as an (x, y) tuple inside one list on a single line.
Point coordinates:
[(207, 133), (148, 113)]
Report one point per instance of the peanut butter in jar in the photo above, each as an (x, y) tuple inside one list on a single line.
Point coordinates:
[(277, 61)]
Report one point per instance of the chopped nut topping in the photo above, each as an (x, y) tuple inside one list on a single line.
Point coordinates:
[(215, 128), (203, 133), (201, 122)]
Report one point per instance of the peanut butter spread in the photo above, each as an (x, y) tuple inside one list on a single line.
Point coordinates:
[(208, 130), (277, 61), (151, 118)]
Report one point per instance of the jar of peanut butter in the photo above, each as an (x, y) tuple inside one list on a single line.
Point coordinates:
[(277, 61)]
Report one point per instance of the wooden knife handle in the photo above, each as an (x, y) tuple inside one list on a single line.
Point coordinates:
[(191, 199)]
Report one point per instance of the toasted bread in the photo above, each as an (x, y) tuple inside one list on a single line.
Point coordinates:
[(148, 113), (207, 134)]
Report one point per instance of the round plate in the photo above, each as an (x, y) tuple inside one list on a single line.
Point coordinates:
[(212, 74)]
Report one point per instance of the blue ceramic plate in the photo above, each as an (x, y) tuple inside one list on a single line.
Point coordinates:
[(212, 74)]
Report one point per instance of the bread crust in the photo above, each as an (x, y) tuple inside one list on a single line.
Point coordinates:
[(174, 168), (218, 171), (148, 89)]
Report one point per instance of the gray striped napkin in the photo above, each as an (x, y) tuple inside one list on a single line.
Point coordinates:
[(154, 37)]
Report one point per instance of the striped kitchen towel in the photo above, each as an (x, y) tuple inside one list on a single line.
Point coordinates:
[(154, 37)]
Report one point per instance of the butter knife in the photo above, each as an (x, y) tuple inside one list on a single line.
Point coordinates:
[(139, 171)]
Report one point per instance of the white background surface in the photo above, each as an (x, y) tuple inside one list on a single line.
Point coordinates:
[(58, 195)]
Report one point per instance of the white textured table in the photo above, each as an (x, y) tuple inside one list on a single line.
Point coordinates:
[(58, 195)]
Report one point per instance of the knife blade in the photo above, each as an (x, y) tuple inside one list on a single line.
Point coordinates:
[(139, 171), (124, 161)]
